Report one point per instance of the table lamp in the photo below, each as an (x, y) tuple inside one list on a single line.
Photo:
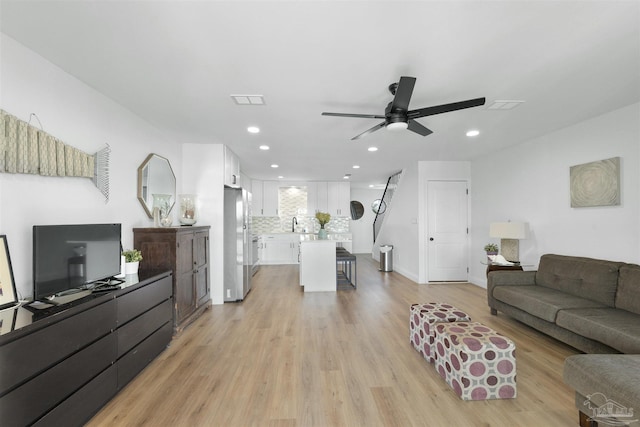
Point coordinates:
[(509, 233)]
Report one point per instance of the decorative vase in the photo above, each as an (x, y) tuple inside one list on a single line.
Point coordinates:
[(131, 267), (161, 209), (322, 233), (491, 253), (188, 211)]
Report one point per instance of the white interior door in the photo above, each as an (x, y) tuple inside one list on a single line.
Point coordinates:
[(447, 231)]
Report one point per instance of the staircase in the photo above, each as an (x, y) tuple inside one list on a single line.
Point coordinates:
[(385, 204)]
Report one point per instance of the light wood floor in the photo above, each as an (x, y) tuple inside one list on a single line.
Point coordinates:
[(285, 358)]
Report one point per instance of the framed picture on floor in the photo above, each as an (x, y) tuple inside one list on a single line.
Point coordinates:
[(8, 320), (8, 294)]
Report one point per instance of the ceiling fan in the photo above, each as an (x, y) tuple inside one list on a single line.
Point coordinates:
[(397, 115)]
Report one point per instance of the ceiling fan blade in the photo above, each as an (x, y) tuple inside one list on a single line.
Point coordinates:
[(418, 128), (403, 93), (445, 108), (360, 116), (368, 131)]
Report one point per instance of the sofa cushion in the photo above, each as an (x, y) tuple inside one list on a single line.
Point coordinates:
[(617, 328), (590, 278), (628, 295), (540, 301)]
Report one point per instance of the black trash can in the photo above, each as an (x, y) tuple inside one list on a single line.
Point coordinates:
[(386, 258)]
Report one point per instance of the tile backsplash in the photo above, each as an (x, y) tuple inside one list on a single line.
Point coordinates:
[(292, 201), (276, 224)]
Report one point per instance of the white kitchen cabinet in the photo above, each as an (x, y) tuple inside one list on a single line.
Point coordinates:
[(339, 198), (270, 191), (322, 197), (231, 169), (312, 198), (256, 198), (280, 248), (331, 197)]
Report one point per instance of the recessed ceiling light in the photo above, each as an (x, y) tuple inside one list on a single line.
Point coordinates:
[(280, 176), (274, 166), (253, 129), (370, 185), (356, 166), (264, 147), (372, 148), (473, 132)]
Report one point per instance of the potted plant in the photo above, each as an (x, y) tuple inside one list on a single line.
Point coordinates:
[(323, 218), (491, 249), (132, 258)]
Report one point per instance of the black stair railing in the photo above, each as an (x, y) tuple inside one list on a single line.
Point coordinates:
[(385, 203)]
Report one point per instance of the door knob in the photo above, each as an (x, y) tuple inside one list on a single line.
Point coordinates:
[(431, 239)]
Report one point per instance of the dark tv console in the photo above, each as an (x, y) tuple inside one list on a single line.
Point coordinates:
[(62, 368)]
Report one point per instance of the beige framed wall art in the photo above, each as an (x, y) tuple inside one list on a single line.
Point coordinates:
[(595, 183)]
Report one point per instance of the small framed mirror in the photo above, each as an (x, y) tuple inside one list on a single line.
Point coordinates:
[(357, 210), (378, 207), (155, 176)]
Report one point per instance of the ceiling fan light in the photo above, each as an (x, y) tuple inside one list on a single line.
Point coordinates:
[(397, 126)]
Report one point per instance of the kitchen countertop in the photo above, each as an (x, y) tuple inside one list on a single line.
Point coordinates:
[(305, 237)]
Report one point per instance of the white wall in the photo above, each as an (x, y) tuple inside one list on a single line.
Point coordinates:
[(203, 174), (362, 229), (87, 120), (400, 226), (530, 182)]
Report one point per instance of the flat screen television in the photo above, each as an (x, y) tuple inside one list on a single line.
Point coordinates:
[(73, 256)]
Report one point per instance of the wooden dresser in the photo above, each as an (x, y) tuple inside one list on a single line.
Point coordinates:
[(185, 250), (59, 367)]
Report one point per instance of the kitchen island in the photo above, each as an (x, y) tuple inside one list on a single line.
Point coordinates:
[(318, 265)]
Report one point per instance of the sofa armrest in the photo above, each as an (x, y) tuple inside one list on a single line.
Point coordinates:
[(507, 278)]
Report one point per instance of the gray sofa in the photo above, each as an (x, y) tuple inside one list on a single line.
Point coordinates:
[(594, 306)]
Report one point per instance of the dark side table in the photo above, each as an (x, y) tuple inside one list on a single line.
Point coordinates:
[(496, 267)]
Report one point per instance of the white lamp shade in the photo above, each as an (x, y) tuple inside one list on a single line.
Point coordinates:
[(509, 230)]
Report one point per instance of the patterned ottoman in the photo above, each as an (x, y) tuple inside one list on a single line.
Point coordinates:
[(423, 317), (476, 361)]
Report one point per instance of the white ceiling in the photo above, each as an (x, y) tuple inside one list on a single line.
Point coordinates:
[(176, 63)]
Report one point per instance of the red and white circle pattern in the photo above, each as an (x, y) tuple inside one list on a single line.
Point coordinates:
[(423, 317), (476, 361)]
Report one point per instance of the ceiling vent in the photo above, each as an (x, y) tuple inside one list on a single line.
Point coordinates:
[(248, 99), (504, 105)]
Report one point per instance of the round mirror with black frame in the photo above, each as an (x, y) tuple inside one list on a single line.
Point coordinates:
[(155, 176), (357, 210), (378, 206)]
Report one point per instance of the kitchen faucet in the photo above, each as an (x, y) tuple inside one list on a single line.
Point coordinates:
[(294, 222)]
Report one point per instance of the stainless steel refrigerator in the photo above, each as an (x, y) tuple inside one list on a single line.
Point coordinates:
[(237, 244)]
